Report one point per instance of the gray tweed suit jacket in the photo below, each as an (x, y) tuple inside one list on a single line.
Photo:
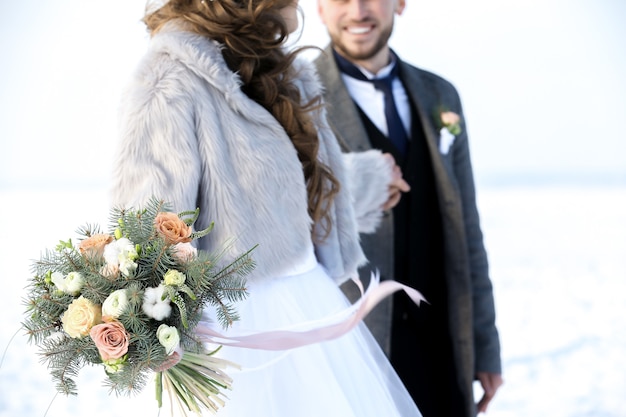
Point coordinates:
[(471, 309)]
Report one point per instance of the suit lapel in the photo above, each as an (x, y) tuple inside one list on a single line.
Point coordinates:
[(342, 113), (426, 103)]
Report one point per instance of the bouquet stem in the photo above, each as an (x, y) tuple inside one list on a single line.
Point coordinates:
[(196, 382)]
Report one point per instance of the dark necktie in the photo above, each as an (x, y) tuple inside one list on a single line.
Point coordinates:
[(396, 133)]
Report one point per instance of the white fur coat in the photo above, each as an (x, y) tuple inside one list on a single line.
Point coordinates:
[(189, 135)]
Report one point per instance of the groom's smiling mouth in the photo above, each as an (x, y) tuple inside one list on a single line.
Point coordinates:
[(360, 29)]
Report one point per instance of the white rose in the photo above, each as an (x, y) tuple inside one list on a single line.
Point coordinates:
[(115, 303), (58, 279), (127, 267), (69, 284), (74, 282), (168, 336), (153, 306)]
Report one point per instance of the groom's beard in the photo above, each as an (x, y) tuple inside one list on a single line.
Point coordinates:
[(358, 54)]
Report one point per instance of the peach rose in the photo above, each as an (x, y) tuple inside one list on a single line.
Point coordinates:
[(450, 118), (172, 228), (81, 315), (110, 271), (111, 339), (94, 245)]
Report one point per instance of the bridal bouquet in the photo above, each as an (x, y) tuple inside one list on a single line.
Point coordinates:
[(129, 300)]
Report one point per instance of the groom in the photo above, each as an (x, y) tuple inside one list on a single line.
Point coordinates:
[(432, 240)]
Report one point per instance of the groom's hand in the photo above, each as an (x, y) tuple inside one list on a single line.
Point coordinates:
[(397, 186), (490, 383)]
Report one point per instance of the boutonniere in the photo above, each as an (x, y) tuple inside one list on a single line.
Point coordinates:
[(450, 128)]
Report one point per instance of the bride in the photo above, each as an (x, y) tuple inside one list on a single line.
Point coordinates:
[(221, 117)]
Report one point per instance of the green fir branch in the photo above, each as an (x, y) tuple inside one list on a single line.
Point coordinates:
[(65, 357), (88, 230)]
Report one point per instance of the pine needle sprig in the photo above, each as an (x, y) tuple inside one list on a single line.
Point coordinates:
[(88, 230), (65, 358)]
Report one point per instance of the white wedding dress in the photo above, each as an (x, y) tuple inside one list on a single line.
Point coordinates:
[(345, 377)]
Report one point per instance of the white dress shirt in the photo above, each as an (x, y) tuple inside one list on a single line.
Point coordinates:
[(372, 101)]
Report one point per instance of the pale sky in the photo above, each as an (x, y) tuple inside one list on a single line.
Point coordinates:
[(542, 82)]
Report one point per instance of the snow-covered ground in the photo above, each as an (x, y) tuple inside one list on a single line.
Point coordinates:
[(558, 261)]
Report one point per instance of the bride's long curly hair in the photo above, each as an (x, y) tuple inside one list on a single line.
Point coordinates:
[(253, 33)]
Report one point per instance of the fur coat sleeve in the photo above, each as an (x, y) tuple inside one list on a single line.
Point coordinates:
[(367, 174)]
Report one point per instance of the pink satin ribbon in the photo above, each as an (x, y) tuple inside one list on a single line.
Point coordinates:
[(289, 339)]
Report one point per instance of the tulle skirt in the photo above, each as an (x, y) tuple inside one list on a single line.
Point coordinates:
[(345, 377)]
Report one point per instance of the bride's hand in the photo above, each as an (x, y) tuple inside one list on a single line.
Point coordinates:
[(397, 186)]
